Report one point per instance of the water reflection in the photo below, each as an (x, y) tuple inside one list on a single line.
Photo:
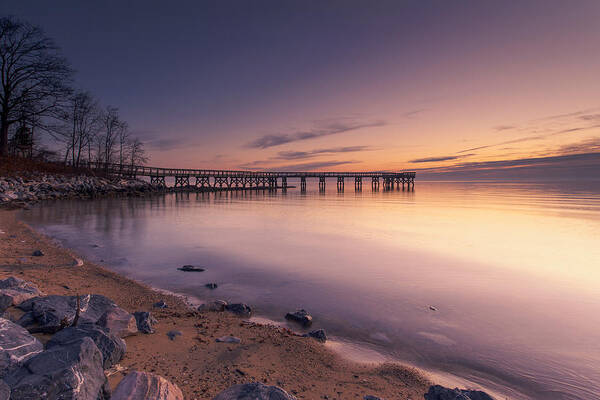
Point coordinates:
[(511, 269)]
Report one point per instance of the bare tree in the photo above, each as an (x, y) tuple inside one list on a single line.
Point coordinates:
[(81, 123), (123, 138), (107, 139), (34, 75), (137, 154)]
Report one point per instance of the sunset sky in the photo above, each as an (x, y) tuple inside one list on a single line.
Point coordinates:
[(342, 85)]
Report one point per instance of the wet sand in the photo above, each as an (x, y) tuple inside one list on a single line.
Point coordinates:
[(199, 365)]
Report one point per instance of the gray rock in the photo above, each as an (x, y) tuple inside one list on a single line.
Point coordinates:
[(69, 372), (216, 305), (52, 313), (37, 253), (4, 390), (144, 321), (318, 334), (111, 346), (229, 339), (144, 385), (438, 392), (211, 285), (13, 291), (241, 309), (191, 268), (160, 304), (254, 391), (300, 316), (118, 322), (173, 334), (16, 346)]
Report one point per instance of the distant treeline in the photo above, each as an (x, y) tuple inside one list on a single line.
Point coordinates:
[(38, 101)]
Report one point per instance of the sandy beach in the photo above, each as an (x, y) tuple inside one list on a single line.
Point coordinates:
[(198, 364)]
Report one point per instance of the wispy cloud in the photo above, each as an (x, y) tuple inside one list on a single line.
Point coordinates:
[(296, 155), (327, 129), (437, 159), (504, 127), (256, 166)]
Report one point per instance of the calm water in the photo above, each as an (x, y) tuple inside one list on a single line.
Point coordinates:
[(512, 269)]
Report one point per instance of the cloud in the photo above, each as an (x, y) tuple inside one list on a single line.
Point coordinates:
[(572, 166), (254, 165), (165, 144), (414, 113), (504, 127), (331, 128), (296, 155), (436, 159)]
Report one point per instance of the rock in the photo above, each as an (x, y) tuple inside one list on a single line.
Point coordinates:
[(160, 304), (191, 268), (211, 285), (173, 334), (16, 346), (438, 392), (241, 309), (300, 316), (144, 321), (229, 339), (71, 371), (318, 334), (254, 391), (118, 322), (144, 385), (432, 308), (369, 397), (14, 291), (111, 346), (52, 313), (4, 390), (216, 305), (37, 253)]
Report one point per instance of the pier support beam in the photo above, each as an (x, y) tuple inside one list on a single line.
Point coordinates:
[(303, 184), (321, 183), (375, 183), (358, 183), (158, 181), (340, 183), (182, 180)]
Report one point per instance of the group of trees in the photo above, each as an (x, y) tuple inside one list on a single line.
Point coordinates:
[(37, 101)]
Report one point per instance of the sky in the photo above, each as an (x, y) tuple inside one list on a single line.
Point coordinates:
[(454, 88)]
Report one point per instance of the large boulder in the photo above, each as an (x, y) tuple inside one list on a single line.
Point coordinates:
[(111, 346), (146, 386), (13, 291), (16, 346), (118, 322), (69, 372), (254, 391), (52, 313), (4, 390), (318, 334), (438, 392)]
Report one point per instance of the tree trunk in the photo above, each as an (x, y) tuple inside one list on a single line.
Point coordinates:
[(4, 136)]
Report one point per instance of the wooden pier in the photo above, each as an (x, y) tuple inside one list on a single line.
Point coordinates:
[(213, 180)]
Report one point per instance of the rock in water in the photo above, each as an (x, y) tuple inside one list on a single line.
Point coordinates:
[(16, 346), (72, 371), (144, 385), (300, 316), (118, 322), (438, 392), (14, 291), (111, 346), (319, 334), (211, 285), (216, 305), (144, 321), (53, 313), (254, 391), (191, 268), (241, 309)]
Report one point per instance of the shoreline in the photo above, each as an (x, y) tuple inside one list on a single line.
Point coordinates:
[(194, 361)]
